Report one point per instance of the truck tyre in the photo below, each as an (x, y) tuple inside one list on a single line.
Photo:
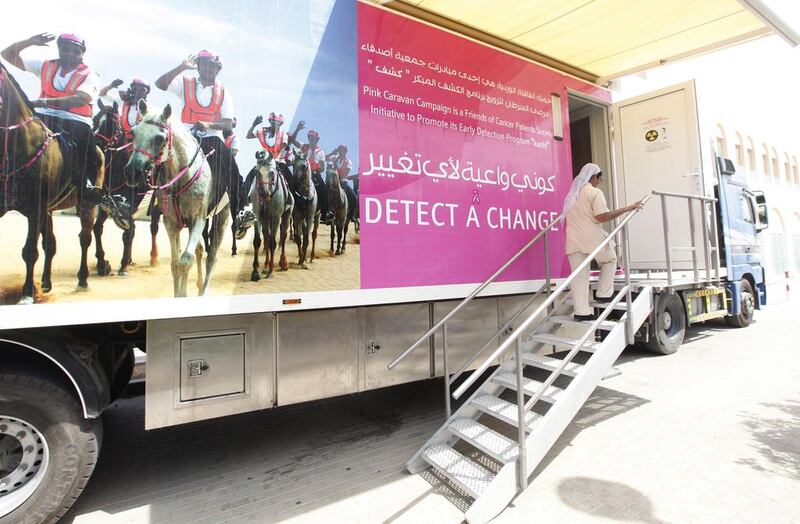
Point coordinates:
[(47, 449), (670, 325), (747, 306)]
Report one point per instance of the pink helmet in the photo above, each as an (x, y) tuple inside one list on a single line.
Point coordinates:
[(140, 82), (69, 38), (276, 118), (211, 57), (313, 134)]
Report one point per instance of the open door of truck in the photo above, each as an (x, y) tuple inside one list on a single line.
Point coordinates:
[(657, 147)]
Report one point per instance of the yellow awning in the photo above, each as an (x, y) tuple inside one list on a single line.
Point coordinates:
[(595, 39)]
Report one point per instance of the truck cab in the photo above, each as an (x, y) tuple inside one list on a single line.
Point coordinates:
[(742, 215)]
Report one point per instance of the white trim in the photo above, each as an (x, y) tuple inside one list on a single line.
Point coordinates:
[(57, 363), (95, 312)]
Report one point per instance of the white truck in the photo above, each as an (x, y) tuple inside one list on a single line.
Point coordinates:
[(689, 256)]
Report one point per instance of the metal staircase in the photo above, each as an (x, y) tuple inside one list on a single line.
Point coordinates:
[(487, 418), (491, 444)]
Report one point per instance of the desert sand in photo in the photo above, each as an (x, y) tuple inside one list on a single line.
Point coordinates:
[(230, 277)]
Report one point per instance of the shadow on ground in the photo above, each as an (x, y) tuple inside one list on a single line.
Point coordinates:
[(618, 501), (775, 438)]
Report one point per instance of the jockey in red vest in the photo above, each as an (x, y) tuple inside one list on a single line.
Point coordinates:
[(275, 141), (316, 160), (343, 166), (67, 91), (129, 111), (207, 111)]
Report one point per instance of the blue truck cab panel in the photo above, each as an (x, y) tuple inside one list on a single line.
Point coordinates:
[(742, 214)]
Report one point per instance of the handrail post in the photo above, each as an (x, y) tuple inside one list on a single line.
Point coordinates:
[(692, 231), (715, 233), (706, 243), (522, 475), (446, 373), (626, 260), (547, 266), (665, 225)]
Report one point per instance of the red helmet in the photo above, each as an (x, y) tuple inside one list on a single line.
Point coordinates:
[(69, 38), (211, 57), (313, 134), (276, 118)]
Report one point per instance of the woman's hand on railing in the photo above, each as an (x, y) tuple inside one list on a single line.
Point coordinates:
[(635, 205)]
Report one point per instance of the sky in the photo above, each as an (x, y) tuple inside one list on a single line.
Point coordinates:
[(293, 57), (750, 86)]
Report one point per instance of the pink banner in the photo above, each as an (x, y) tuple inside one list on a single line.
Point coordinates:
[(461, 159)]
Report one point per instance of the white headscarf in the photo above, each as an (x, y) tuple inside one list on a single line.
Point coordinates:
[(586, 174)]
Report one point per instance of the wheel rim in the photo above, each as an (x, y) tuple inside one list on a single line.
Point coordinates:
[(748, 304), (24, 456), (667, 319), (671, 323)]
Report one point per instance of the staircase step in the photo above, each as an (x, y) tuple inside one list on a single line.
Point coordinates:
[(529, 386), (491, 442), (550, 364), (555, 340), (505, 411), (468, 475), (605, 325), (619, 305)]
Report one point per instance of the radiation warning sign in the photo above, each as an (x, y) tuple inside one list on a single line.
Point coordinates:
[(656, 133)]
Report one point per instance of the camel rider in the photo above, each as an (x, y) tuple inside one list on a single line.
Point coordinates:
[(129, 110), (207, 111), (316, 160), (275, 141), (68, 90), (343, 166)]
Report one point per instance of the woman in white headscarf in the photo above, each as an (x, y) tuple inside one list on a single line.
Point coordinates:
[(585, 207)]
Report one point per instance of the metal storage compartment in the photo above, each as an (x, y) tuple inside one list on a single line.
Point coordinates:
[(212, 366), (201, 368), (317, 354), (466, 332), (387, 331)]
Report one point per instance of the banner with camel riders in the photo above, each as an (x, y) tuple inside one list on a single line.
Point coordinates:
[(267, 149)]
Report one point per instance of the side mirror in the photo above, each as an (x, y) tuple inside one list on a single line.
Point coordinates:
[(725, 166), (762, 216)]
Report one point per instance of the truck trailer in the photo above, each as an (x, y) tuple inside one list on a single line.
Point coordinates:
[(464, 145)]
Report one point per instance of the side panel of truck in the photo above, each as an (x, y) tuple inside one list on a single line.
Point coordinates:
[(460, 153)]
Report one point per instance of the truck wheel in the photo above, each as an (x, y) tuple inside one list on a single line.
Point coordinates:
[(47, 449), (670, 325), (747, 306)]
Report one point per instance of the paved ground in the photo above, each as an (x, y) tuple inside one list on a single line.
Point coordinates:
[(710, 434)]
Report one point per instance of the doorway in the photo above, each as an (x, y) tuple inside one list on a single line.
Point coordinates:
[(589, 140)]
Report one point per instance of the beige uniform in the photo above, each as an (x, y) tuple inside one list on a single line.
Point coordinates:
[(584, 234)]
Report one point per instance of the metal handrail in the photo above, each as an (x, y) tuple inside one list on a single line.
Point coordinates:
[(684, 195), (497, 333), (576, 347), (707, 248), (477, 290), (546, 304)]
